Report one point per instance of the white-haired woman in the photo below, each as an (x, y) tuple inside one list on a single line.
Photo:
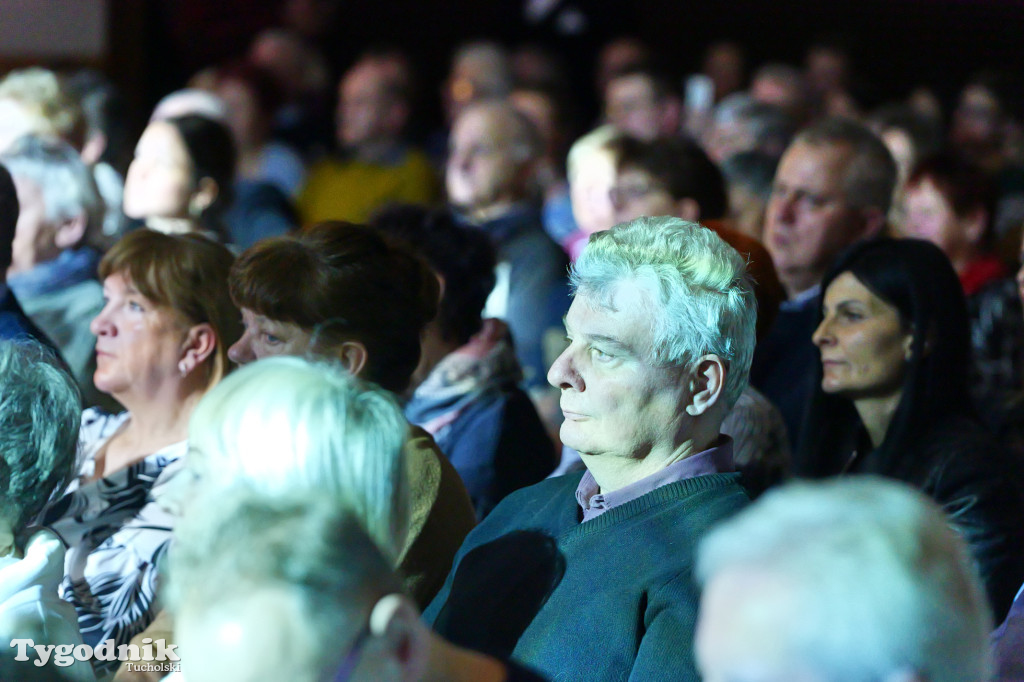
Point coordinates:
[(284, 425), (39, 414)]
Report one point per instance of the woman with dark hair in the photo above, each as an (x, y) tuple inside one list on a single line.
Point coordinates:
[(182, 175), (892, 399), (344, 291)]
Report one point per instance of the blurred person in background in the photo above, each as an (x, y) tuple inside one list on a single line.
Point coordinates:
[(493, 151), (375, 164), (465, 389), (642, 103), (748, 176), (950, 202), (590, 168), (35, 100), (162, 344), (182, 176), (55, 252), (14, 323)]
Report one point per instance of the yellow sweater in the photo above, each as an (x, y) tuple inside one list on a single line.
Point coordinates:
[(347, 189)]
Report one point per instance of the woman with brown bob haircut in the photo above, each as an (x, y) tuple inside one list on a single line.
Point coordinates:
[(162, 340), (346, 292)]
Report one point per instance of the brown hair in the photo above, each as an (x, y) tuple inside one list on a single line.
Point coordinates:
[(344, 282), (185, 272)]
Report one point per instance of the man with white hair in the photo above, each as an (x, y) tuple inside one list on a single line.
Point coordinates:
[(844, 581), (53, 264), (339, 611), (588, 575), (493, 148)]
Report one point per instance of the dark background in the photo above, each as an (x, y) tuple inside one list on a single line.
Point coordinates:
[(896, 44)]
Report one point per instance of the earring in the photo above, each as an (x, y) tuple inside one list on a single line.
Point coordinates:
[(183, 368)]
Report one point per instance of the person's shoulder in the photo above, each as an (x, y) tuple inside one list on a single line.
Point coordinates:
[(520, 508)]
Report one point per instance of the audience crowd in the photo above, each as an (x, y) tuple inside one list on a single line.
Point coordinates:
[(726, 383)]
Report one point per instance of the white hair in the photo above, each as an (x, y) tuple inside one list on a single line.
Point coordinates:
[(242, 543), (190, 101), (703, 299), (287, 424), (883, 583), (66, 183), (40, 412)]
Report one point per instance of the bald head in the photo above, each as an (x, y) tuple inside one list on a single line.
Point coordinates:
[(491, 149)]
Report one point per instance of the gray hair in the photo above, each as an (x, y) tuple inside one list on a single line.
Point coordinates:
[(40, 414), (517, 131), (882, 580), (287, 424), (702, 296), (242, 542), (67, 185), (871, 172)]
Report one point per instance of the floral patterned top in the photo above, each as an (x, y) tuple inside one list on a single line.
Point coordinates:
[(117, 532)]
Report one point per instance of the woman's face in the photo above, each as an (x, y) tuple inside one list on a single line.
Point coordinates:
[(159, 181), (864, 346), (264, 337), (138, 343), (927, 215)]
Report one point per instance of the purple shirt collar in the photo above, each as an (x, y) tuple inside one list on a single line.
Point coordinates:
[(715, 460)]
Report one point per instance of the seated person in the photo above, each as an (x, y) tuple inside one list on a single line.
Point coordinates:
[(162, 341), (39, 414), (54, 254), (14, 323), (661, 334), (843, 581), (676, 178), (285, 425), (890, 400), (340, 611), (376, 165), (950, 203), (466, 393), (343, 291), (181, 177)]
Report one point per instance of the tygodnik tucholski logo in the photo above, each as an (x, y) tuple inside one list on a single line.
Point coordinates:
[(142, 658)]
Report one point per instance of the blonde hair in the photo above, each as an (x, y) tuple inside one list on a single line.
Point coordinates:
[(41, 92)]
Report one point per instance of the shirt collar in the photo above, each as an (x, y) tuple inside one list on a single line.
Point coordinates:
[(715, 460)]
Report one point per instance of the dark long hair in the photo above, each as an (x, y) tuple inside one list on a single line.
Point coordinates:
[(917, 279)]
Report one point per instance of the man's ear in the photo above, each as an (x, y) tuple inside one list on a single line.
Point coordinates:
[(707, 383), (401, 639), (353, 355), (70, 231), (200, 343)]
